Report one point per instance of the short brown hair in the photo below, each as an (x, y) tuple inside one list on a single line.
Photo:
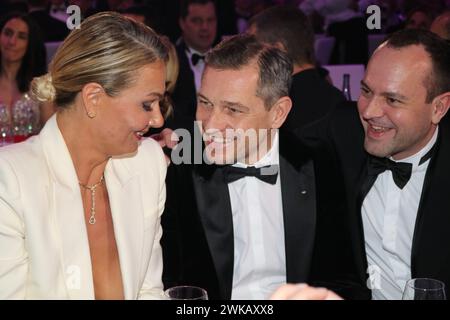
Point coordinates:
[(184, 6), (290, 27), (275, 66), (438, 81)]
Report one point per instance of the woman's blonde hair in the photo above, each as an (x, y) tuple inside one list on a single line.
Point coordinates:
[(107, 49), (172, 71), (172, 65)]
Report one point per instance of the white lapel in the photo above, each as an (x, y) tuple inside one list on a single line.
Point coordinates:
[(67, 208), (125, 195)]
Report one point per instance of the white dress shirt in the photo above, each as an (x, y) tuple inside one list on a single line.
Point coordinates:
[(198, 68), (259, 251), (389, 217)]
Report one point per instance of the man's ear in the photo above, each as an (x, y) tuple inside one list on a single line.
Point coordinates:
[(440, 105), (91, 95), (280, 111), (280, 46)]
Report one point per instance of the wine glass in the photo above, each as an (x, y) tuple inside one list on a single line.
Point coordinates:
[(24, 118), (424, 289), (186, 293)]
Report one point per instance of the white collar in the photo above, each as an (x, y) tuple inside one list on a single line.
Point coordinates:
[(415, 158), (190, 52)]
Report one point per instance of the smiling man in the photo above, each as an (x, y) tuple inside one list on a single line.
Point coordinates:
[(244, 223), (393, 158), (237, 125)]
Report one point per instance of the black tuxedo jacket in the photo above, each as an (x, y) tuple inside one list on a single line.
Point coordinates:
[(198, 243), (338, 144), (312, 99), (52, 29), (185, 95)]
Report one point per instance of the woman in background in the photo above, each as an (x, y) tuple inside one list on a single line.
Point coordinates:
[(22, 57)]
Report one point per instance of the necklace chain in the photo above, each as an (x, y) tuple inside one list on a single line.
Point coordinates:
[(92, 189)]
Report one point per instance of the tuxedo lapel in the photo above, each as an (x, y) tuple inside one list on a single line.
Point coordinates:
[(214, 207), (298, 195), (348, 134), (356, 197), (75, 255), (431, 232), (299, 208), (125, 196)]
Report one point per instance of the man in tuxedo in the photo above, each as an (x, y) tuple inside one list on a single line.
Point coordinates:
[(198, 23), (289, 29), (392, 154), (243, 222)]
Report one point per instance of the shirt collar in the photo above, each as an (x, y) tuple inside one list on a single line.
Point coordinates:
[(190, 52), (415, 158)]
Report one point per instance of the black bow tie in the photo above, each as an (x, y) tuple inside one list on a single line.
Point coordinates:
[(267, 174), (195, 58), (401, 171)]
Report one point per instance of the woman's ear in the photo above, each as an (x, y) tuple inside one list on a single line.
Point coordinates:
[(91, 95), (440, 104), (280, 111)]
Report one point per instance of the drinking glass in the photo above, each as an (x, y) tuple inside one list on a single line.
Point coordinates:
[(186, 293), (5, 126), (424, 289)]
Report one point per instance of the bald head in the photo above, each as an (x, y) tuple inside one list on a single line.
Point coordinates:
[(441, 25)]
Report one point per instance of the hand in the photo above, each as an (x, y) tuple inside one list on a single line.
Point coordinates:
[(303, 292), (166, 138)]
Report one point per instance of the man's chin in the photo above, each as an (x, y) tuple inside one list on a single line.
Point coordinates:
[(376, 150)]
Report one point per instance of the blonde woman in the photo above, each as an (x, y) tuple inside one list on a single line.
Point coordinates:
[(80, 203)]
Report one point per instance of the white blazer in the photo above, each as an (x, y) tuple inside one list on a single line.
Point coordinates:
[(44, 250)]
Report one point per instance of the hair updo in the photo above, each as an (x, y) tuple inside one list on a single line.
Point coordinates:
[(42, 88), (107, 49)]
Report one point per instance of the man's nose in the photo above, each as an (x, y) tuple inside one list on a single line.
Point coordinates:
[(215, 121), (373, 109)]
